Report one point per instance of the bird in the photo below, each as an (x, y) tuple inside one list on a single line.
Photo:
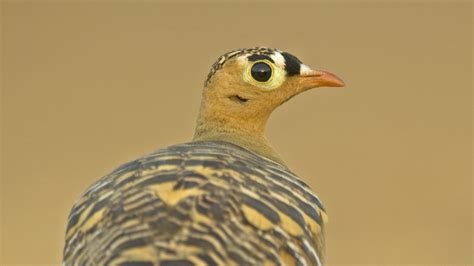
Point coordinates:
[(224, 198)]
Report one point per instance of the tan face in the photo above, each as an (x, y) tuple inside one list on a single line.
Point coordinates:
[(252, 86)]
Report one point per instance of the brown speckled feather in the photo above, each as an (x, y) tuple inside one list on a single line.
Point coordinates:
[(200, 203)]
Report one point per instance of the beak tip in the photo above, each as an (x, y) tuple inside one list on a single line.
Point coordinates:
[(340, 83), (320, 78), (328, 79)]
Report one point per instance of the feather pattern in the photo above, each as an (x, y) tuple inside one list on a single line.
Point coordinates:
[(199, 203)]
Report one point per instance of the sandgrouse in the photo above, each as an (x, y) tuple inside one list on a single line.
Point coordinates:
[(226, 198)]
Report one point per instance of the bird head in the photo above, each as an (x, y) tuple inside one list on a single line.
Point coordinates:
[(246, 85), (253, 82)]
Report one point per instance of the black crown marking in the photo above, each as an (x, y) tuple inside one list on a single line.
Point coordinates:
[(225, 57), (292, 63)]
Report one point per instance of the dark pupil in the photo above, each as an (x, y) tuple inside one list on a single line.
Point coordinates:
[(261, 72)]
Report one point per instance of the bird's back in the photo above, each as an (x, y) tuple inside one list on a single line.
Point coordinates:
[(198, 203)]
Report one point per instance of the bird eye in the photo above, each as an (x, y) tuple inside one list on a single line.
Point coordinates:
[(261, 71)]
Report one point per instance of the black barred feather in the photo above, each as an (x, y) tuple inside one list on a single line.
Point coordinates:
[(200, 203)]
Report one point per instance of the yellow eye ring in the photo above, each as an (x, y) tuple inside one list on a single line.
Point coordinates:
[(261, 71)]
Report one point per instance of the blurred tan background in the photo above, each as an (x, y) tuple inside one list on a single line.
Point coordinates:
[(90, 85)]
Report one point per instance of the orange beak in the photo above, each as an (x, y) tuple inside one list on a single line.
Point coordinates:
[(319, 78)]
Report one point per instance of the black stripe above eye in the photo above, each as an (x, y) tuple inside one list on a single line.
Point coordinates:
[(292, 64), (256, 57)]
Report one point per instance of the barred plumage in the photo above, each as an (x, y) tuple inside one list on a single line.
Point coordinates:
[(199, 203)]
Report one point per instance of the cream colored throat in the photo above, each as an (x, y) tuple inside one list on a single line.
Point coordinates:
[(255, 142)]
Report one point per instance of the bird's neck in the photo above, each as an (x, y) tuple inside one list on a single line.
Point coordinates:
[(246, 133)]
